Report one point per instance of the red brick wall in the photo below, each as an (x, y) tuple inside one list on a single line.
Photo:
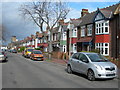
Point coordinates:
[(102, 38), (73, 40)]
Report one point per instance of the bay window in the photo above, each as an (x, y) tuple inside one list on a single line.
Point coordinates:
[(103, 47), (102, 27)]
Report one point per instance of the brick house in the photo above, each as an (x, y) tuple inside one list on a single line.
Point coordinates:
[(72, 35), (42, 41), (100, 30), (63, 40), (86, 36), (56, 39)]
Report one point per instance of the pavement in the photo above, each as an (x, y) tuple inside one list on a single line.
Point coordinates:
[(20, 72), (60, 61)]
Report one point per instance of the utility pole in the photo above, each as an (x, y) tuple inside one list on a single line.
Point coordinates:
[(70, 38), (69, 43)]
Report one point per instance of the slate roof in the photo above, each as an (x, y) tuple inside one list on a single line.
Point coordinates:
[(87, 19), (76, 22), (107, 12)]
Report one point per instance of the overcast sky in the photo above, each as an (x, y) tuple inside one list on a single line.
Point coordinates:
[(16, 25)]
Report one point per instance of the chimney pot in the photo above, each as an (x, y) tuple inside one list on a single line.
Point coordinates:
[(84, 12)]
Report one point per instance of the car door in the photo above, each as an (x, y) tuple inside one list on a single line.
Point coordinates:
[(74, 61), (83, 63)]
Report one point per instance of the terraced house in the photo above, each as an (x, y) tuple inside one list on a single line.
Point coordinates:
[(96, 30), (100, 30), (63, 40), (72, 35)]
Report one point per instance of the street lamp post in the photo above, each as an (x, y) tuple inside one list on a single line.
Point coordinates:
[(69, 42)]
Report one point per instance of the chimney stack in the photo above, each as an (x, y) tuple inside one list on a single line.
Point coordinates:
[(84, 12)]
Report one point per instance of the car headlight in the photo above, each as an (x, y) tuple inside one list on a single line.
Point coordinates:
[(98, 67)]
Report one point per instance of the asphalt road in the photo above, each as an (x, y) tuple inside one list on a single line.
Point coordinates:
[(20, 72)]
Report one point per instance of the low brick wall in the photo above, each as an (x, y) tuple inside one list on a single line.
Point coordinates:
[(60, 55)]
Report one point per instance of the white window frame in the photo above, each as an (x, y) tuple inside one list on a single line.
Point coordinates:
[(98, 27), (64, 47), (83, 31), (64, 35), (89, 30), (102, 45), (33, 42), (74, 46), (75, 32)]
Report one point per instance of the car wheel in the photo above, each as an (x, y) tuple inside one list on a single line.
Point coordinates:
[(91, 75), (69, 70), (31, 58)]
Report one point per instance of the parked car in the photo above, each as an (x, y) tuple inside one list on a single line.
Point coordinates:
[(2, 56), (10, 50), (14, 51), (93, 65), (27, 52), (36, 55)]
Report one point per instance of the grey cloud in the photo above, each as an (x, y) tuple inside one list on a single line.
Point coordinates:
[(14, 23)]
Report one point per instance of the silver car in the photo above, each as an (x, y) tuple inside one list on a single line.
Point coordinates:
[(93, 65), (2, 57)]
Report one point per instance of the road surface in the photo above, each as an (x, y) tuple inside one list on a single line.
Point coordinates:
[(20, 72)]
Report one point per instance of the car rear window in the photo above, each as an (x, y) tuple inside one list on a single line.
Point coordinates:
[(37, 52), (30, 50)]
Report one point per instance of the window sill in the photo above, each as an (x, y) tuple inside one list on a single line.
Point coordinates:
[(101, 33), (89, 35), (82, 36)]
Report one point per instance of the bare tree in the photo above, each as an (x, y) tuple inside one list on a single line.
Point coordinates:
[(46, 13)]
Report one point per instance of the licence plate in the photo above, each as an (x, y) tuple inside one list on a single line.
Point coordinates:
[(38, 59), (110, 72)]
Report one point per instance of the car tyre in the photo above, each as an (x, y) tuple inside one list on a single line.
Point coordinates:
[(91, 75), (69, 70)]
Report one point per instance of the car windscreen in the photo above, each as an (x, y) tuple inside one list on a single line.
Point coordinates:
[(30, 50), (37, 52), (97, 58)]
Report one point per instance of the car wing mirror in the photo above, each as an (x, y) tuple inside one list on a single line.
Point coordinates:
[(86, 61)]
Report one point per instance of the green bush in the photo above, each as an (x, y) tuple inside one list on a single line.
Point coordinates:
[(64, 55), (41, 49), (93, 51), (21, 49), (96, 50)]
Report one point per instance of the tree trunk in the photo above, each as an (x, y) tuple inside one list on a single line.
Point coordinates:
[(50, 46)]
